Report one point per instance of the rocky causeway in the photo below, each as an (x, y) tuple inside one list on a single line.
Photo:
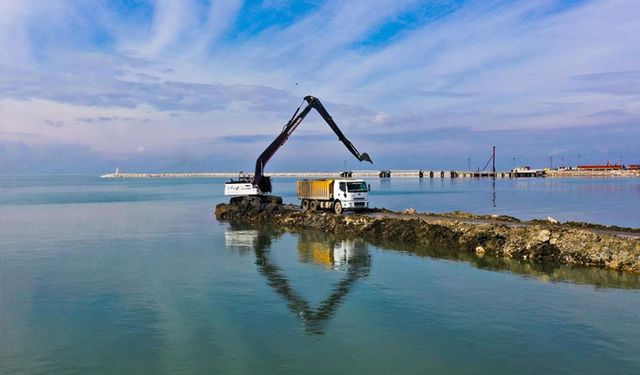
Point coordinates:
[(537, 241)]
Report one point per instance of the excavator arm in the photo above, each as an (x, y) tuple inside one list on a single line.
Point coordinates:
[(263, 182)]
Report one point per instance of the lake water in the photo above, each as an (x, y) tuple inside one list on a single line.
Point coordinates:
[(117, 276)]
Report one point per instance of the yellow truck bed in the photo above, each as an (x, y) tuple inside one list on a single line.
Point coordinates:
[(315, 189)]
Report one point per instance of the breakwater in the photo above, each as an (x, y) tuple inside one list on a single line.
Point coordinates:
[(390, 174), (496, 236), (351, 174)]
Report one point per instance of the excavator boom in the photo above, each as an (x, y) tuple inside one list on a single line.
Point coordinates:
[(263, 182)]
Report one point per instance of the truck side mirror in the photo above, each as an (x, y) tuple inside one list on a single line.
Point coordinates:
[(368, 187)]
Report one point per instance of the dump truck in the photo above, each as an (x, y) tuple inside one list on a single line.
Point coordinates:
[(333, 194)]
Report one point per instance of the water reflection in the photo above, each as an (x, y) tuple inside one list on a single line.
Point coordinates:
[(348, 256), (493, 192), (352, 257), (544, 272)]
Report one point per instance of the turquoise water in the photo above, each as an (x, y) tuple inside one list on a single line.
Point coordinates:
[(114, 276)]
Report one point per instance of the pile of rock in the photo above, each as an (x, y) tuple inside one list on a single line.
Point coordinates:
[(543, 241)]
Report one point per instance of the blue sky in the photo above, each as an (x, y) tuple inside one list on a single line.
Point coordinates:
[(196, 85)]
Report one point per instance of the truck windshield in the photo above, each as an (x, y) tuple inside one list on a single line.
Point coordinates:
[(357, 187)]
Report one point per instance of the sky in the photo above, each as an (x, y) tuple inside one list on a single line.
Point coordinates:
[(195, 85)]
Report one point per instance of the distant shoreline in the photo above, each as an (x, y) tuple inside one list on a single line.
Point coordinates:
[(376, 174), (218, 175), (578, 173)]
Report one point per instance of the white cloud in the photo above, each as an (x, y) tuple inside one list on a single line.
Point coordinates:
[(14, 36), (171, 20), (222, 14)]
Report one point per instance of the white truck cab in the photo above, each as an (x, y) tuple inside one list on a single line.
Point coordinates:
[(353, 194)]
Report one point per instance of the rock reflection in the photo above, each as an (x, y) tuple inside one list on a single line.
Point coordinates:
[(323, 249), (543, 272)]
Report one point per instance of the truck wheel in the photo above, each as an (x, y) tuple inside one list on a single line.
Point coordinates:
[(313, 205), (304, 205), (337, 207)]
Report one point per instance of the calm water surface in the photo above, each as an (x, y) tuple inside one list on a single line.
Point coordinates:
[(105, 276)]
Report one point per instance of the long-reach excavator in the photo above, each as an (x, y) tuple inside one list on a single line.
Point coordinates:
[(259, 185)]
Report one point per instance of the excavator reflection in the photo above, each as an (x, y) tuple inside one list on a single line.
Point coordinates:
[(348, 256)]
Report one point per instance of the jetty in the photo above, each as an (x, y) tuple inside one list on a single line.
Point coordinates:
[(537, 241), (417, 173)]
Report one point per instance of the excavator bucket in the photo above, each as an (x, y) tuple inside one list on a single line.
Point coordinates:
[(365, 157)]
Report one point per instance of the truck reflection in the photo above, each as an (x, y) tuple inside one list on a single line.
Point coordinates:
[(350, 257)]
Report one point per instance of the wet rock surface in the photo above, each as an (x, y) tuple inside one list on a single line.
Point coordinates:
[(484, 235)]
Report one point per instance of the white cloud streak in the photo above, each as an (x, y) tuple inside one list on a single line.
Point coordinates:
[(221, 16), (170, 21)]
